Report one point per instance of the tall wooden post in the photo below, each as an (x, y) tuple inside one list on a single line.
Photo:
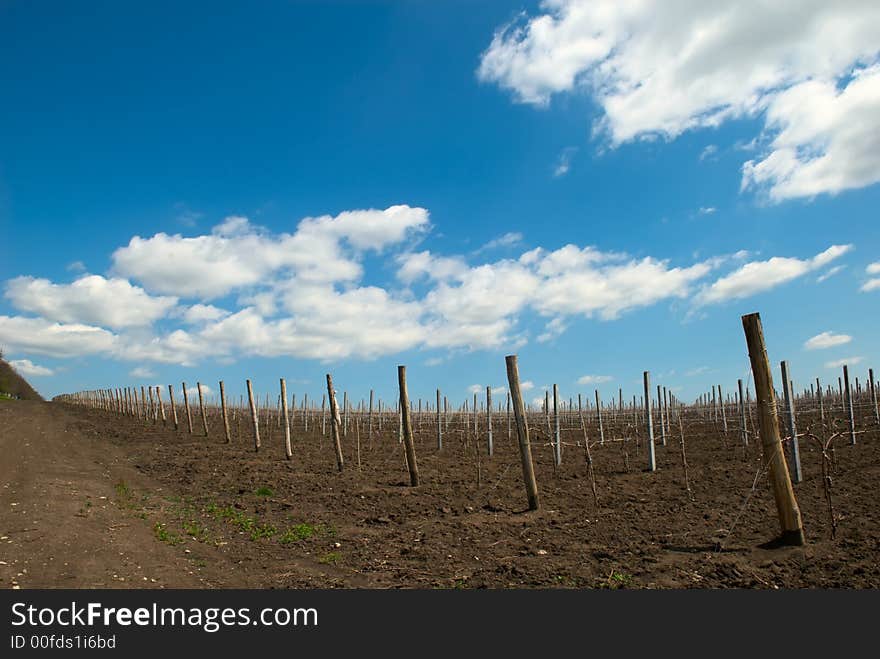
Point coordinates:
[(522, 431), (768, 423), (873, 388), (173, 406), (821, 402), (370, 418), (599, 417), (847, 394), (255, 419), (489, 445), (557, 437), (335, 422), (288, 453), (660, 414), (439, 423), (189, 419), (797, 474), (652, 458), (223, 412), (407, 428), (202, 408), (744, 435)]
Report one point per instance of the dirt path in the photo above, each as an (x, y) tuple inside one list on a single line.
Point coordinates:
[(75, 514)]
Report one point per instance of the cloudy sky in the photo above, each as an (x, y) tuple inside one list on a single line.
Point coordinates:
[(288, 189)]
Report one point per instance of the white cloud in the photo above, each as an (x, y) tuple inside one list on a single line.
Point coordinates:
[(476, 389), (44, 337), (413, 266), (709, 152), (870, 285), (238, 255), (594, 379), (76, 266), (826, 340), (194, 391), (552, 330), (91, 299), (661, 68), (829, 273), (563, 163), (699, 370), (200, 313), (707, 210), (508, 239), (28, 369), (759, 276), (846, 361), (528, 385), (826, 139), (873, 268), (142, 372)]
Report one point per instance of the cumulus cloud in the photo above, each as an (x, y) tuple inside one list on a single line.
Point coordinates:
[(872, 284), (142, 372), (91, 299), (594, 379), (43, 337), (758, 276), (238, 254), (28, 369), (826, 340), (660, 69)]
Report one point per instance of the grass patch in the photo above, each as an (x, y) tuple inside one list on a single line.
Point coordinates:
[(264, 491), (617, 580), (164, 535), (330, 558)]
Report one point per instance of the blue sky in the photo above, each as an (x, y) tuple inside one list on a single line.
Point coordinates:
[(552, 180)]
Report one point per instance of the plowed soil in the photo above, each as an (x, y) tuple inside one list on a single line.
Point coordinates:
[(90, 498)]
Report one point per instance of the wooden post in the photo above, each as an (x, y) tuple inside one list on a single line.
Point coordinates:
[(407, 428), (821, 403), (255, 419), (489, 446), (662, 417), (744, 435), (768, 423), (324, 415), (335, 422), (522, 431), (599, 417), (652, 458), (847, 393), (173, 406), (370, 418), (557, 436), (788, 395), (439, 423), (286, 420), (202, 408), (189, 419), (873, 389), (223, 412), (153, 415), (160, 403)]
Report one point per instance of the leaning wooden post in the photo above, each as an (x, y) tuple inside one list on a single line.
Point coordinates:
[(768, 423), (173, 406), (189, 419), (522, 431), (255, 419), (847, 393), (744, 435), (439, 424), (489, 447), (202, 408), (284, 411), (161, 404), (797, 474), (223, 412), (873, 389), (335, 422), (407, 428), (652, 458)]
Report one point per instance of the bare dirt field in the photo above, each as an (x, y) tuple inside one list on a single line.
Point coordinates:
[(92, 499)]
